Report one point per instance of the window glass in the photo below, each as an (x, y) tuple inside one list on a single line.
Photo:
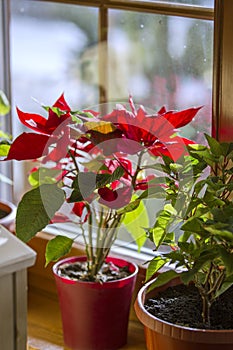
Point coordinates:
[(48, 45), (162, 60), (205, 3)]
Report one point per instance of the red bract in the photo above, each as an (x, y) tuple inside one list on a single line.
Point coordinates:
[(180, 118), (144, 129), (173, 149), (28, 146), (144, 183), (62, 137), (42, 125), (81, 210), (115, 199)]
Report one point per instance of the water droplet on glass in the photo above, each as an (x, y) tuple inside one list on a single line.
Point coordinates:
[(142, 26)]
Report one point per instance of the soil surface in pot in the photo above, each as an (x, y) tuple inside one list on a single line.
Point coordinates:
[(78, 271), (182, 305), (3, 213)]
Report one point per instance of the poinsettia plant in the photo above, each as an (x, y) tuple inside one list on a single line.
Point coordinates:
[(101, 165)]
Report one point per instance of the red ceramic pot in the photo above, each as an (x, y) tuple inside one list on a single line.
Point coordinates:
[(95, 316)]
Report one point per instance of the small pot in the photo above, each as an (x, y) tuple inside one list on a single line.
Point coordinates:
[(162, 335), (95, 316), (10, 210)]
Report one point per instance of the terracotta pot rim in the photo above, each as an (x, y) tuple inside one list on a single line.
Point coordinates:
[(83, 258), (173, 330)]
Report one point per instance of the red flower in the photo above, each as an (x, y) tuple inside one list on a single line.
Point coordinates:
[(173, 149), (28, 146), (115, 199), (81, 210), (46, 126), (139, 129)]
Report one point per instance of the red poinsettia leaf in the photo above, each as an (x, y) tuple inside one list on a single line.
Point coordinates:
[(174, 149), (115, 199), (60, 149), (54, 120), (28, 146), (80, 209), (181, 118), (144, 184), (33, 121), (162, 110), (107, 194), (62, 104), (43, 125)]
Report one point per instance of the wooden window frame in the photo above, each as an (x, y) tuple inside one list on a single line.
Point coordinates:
[(223, 49)]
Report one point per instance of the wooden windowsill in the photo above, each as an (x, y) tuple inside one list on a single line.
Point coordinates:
[(44, 320)]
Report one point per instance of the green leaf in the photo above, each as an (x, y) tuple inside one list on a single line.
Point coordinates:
[(4, 149), (36, 209), (227, 258), (188, 276), (215, 146), (155, 265), (164, 278), (87, 182), (4, 104), (225, 234), (57, 248), (135, 223), (176, 167), (42, 176), (227, 283), (192, 225), (105, 179), (159, 230), (130, 207), (84, 185)]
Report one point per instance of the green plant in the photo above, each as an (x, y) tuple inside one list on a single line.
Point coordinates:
[(83, 160), (196, 222), (4, 137)]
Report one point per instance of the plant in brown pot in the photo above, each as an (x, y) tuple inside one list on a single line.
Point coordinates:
[(7, 208), (189, 305), (96, 165)]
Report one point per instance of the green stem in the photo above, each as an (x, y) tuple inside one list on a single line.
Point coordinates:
[(138, 169), (86, 247), (90, 239)]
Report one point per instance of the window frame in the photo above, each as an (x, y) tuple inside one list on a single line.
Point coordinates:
[(223, 51)]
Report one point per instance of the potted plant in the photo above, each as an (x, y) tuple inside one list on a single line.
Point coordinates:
[(195, 273), (7, 209), (83, 163)]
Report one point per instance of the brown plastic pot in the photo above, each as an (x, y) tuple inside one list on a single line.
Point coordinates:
[(161, 335), (95, 316)]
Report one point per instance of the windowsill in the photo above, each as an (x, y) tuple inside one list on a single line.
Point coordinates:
[(45, 330), (44, 323)]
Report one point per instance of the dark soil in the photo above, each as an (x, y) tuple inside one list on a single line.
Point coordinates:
[(3, 213), (78, 271), (182, 305)]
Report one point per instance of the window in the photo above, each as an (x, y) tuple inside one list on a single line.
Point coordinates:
[(160, 51)]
